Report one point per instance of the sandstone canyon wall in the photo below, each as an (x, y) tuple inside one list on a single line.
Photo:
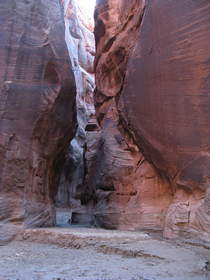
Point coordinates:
[(37, 115), (81, 45), (169, 112), (144, 163), (153, 104), (129, 192)]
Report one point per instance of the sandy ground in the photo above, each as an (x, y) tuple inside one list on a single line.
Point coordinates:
[(100, 255)]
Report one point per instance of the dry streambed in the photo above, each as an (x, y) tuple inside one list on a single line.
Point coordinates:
[(95, 254)]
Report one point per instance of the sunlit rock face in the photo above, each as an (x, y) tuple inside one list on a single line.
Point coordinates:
[(152, 101), (37, 116), (81, 46)]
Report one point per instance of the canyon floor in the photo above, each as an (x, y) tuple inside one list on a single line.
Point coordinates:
[(95, 254)]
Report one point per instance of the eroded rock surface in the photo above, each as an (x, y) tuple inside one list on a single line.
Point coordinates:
[(37, 109), (81, 46), (144, 163), (167, 100), (129, 192), (152, 101)]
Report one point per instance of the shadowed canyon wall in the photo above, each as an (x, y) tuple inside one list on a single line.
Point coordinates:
[(152, 102), (37, 110), (81, 46)]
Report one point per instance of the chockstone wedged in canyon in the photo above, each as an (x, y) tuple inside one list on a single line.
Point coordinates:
[(117, 133)]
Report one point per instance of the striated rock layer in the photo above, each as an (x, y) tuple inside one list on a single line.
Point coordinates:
[(152, 100), (148, 164), (129, 192), (37, 109)]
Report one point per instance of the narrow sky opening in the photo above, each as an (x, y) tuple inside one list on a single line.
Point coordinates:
[(87, 6)]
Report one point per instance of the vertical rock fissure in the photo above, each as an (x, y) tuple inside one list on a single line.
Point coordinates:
[(81, 45), (139, 158), (125, 173), (105, 174)]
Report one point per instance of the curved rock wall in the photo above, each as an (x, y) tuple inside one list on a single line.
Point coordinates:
[(147, 166), (168, 105), (81, 46), (129, 192), (152, 77), (37, 109)]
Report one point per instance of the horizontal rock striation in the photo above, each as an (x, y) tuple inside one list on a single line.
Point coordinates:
[(129, 192), (140, 158), (152, 101), (37, 109)]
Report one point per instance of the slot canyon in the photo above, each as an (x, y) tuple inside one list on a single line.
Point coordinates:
[(105, 138)]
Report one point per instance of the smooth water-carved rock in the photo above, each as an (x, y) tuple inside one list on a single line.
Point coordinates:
[(152, 68), (166, 96), (81, 46), (37, 109), (144, 163), (129, 192)]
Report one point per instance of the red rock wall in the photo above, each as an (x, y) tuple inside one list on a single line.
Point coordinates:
[(37, 109), (160, 100), (148, 165), (129, 192)]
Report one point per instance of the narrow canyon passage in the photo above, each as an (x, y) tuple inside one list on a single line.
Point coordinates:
[(103, 118), (104, 140), (129, 167), (104, 132), (105, 175), (79, 23)]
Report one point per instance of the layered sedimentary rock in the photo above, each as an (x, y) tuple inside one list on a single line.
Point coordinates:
[(145, 162), (81, 46), (167, 101), (37, 109), (128, 191), (152, 101)]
